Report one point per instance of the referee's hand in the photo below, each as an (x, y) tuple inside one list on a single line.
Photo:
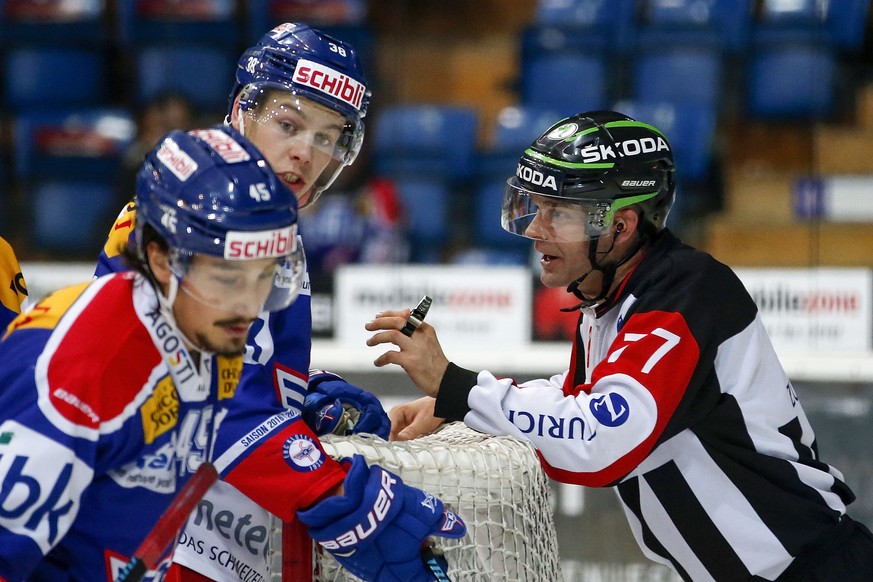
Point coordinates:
[(413, 419), (420, 353)]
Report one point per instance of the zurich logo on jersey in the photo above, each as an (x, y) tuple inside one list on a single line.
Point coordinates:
[(302, 454), (610, 409)]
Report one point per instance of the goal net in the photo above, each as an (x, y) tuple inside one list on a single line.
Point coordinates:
[(495, 484)]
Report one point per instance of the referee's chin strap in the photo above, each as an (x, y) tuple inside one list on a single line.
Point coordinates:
[(607, 270)]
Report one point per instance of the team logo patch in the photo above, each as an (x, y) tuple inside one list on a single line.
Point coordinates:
[(450, 522), (225, 146), (542, 177), (429, 501), (302, 454), (330, 81), (563, 131), (265, 244), (160, 412), (610, 409), (178, 162)]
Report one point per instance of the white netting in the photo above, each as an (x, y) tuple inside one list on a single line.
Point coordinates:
[(495, 484)]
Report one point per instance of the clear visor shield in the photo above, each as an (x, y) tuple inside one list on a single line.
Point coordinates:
[(306, 143), (269, 284), (536, 216)]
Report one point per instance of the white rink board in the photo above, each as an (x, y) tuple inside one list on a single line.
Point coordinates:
[(814, 309), (481, 306), (43, 278), (828, 363)]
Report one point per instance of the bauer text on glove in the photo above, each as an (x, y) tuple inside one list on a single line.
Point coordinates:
[(376, 529)]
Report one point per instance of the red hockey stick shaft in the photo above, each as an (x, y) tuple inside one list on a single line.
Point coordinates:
[(169, 524)]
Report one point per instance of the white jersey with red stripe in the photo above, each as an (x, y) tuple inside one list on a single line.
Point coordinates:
[(676, 398), (104, 415)]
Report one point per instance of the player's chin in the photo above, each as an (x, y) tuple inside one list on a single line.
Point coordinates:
[(227, 346), (553, 276), (303, 199), (551, 279)]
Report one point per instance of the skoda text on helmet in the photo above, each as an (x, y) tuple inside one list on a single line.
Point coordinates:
[(209, 192), (294, 58), (584, 168)]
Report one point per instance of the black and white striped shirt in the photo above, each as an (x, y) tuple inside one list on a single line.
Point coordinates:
[(676, 398)]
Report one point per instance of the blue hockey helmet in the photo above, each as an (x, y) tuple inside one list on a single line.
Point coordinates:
[(210, 192), (305, 62)]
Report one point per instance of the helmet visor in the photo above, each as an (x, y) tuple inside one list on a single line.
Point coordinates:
[(306, 143), (270, 284), (541, 217)]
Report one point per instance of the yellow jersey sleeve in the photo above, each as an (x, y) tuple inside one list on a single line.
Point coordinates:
[(13, 290)]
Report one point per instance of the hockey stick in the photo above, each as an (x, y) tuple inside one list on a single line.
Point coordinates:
[(169, 524), (434, 561)]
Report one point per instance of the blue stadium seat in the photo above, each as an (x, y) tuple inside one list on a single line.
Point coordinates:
[(70, 217), (791, 81), (35, 77), (678, 74), (488, 233), (848, 23), (604, 23), (74, 143), (840, 25), (189, 48), (170, 21), (427, 202), (565, 82), (425, 140), (690, 129), (793, 65), (54, 22), (203, 73), (720, 23), (794, 12), (263, 15), (67, 164), (515, 128)]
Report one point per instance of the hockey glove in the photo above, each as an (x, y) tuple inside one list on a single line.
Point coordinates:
[(333, 406), (376, 529)]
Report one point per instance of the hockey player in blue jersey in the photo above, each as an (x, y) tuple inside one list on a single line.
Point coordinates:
[(301, 97), (115, 391)]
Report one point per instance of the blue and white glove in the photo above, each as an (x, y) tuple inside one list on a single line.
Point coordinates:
[(376, 529), (333, 406)]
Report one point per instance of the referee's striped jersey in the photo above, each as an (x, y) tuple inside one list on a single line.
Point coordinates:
[(675, 396)]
